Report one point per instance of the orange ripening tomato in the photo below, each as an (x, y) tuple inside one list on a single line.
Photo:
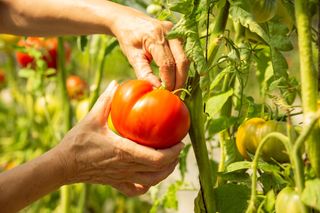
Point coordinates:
[(48, 48), (76, 87), (152, 117)]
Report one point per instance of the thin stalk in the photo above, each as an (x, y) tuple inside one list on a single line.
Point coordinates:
[(65, 190), (308, 76), (107, 47)]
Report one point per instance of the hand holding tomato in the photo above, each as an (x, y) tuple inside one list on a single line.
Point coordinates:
[(92, 153)]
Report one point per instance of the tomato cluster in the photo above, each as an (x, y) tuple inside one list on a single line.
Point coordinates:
[(48, 48), (148, 116), (252, 131)]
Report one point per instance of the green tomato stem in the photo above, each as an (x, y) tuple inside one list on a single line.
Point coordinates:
[(308, 76), (107, 47)]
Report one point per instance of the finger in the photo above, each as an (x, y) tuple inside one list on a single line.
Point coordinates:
[(162, 56), (153, 178), (102, 106), (181, 61), (149, 156), (131, 189), (141, 65)]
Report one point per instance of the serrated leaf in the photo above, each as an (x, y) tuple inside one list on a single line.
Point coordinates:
[(279, 64), (218, 78), (246, 19), (278, 37), (183, 7), (215, 103), (311, 193), (231, 198), (170, 200)]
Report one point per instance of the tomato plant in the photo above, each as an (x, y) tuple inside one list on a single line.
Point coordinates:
[(47, 47), (252, 131), (288, 200), (151, 117), (76, 87)]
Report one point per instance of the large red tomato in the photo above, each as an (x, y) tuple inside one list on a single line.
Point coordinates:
[(151, 117), (48, 48)]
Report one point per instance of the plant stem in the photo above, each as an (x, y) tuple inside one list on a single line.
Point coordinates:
[(218, 30), (308, 79), (65, 190), (197, 135), (107, 47)]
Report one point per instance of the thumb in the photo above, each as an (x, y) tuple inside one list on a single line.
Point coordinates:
[(100, 110)]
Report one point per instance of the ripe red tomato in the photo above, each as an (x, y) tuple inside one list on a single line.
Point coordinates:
[(48, 48), (2, 77), (76, 87), (151, 117)]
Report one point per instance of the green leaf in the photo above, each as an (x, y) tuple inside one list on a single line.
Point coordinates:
[(217, 125), (170, 200), (278, 36), (215, 103), (241, 15), (181, 6), (218, 78), (183, 160), (247, 165), (279, 64), (232, 198), (311, 193)]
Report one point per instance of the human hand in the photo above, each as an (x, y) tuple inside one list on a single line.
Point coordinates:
[(142, 39), (92, 153)]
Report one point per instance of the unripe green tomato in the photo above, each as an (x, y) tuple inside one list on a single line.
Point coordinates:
[(154, 9), (48, 103), (251, 133), (263, 10), (288, 201)]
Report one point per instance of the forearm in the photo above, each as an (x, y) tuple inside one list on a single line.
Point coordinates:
[(28, 182), (58, 17)]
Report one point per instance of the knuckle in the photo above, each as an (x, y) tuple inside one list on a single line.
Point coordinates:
[(168, 64)]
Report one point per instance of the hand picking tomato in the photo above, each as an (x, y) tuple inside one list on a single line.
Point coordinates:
[(76, 87), (48, 48), (252, 131), (151, 117), (288, 201)]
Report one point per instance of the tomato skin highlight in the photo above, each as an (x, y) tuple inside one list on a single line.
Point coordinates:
[(151, 117), (288, 201), (252, 131)]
